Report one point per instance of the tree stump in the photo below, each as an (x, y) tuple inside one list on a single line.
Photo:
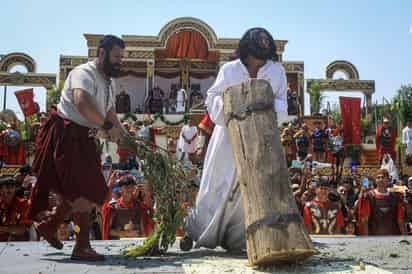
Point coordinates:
[(275, 232)]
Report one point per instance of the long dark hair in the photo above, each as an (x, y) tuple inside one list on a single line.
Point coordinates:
[(250, 42)]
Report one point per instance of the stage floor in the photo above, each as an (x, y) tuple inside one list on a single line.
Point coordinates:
[(337, 255)]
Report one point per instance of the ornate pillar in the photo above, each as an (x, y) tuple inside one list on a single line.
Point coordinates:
[(368, 99), (150, 68), (301, 94), (184, 73), (279, 53)]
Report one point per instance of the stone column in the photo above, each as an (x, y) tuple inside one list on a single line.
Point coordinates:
[(150, 68)]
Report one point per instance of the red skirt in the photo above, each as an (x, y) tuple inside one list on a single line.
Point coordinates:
[(66, 162)]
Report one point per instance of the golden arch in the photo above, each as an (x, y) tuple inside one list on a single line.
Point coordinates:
[(17, 58), (346, 67), (188, 23)]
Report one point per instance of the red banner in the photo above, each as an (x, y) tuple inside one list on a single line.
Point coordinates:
[(26, 102), (351, 112)]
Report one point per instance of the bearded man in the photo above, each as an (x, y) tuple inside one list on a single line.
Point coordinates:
[(67, 161)]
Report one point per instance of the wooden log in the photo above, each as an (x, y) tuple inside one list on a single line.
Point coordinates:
[(275, 232)]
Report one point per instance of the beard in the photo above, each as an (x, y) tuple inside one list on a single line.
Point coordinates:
[(111, 70), (261, 53)]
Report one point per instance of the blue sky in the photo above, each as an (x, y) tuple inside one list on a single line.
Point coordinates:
[(376, 36)]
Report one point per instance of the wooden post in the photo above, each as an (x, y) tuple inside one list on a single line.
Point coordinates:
[(275, 231)]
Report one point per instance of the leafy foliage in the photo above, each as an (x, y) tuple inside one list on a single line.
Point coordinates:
[(53, 94), (167, 179), (316, 97)]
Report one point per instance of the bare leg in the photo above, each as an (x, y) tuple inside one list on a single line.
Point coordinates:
[(47, 228), (81, 216)]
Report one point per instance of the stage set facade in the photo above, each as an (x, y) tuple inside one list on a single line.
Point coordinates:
[(186, 54)]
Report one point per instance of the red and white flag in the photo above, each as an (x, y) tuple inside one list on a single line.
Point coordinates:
[(25, 98)]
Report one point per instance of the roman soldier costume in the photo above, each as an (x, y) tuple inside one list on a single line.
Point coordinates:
[(324, 216)]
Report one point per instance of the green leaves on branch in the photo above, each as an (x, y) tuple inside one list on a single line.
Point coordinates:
[(167, 179)]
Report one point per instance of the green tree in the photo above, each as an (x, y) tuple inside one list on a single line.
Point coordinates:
[(336, 114), (53, 94), (316, 97), (402, 103)]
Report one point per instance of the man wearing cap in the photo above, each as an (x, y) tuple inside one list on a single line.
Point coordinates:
[(322, 216), (381, 212), (121, 218), (14, 224), (385, 140), (66, 160)]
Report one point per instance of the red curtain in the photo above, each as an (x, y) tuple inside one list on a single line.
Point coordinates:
[(351, 110), (187, 44), (26, 102)]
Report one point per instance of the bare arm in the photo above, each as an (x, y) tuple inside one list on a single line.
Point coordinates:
[(86, 105), (112, 117)]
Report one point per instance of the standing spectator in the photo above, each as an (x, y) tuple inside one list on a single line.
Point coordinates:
[(302, 141), (385, 139), (187, 141), (318, 142), (382, 212), (407, 141)]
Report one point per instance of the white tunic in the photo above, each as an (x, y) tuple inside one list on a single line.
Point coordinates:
[(218, 218), (181, 101), (188, 132), (407, 139), (89, 79)]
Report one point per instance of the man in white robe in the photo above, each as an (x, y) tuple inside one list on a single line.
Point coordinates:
[(407, 137), (181, 101), (187, 143), (218, 217)]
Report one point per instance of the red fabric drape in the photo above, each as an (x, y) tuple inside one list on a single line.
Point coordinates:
[(350, 109), (187, 44), (26, 102)]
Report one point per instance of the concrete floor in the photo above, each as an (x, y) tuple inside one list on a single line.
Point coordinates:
[(337, 255)]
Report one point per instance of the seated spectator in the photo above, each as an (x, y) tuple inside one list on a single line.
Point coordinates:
[(350, 195), (65, 231), (14, 224), (121, 218), (382, 212), (322, 216), (24, 181)]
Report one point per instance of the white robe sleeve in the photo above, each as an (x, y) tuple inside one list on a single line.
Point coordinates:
[(214, 100), (281, 103)]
